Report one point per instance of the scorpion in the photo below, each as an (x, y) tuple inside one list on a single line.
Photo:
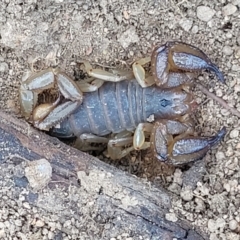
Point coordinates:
[(142, 110)]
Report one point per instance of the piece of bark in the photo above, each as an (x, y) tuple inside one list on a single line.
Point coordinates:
[(82, 187)]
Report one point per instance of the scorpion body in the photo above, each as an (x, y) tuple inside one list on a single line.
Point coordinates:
[(116, 107), (110, 102)]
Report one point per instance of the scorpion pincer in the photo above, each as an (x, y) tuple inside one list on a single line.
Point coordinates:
[(122, 103)]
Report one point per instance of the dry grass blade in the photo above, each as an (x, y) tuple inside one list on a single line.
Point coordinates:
[(219, 100)]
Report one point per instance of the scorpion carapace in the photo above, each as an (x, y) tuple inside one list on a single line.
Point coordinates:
[(140, 110)]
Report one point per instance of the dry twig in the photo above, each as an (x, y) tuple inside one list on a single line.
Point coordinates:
[(219, 100)]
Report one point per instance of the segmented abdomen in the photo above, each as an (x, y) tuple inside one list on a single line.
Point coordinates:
[(113, 108)]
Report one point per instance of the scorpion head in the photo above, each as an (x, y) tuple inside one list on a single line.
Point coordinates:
[(174, 103)]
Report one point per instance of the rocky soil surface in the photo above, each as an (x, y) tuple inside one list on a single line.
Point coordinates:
[(38, 34)]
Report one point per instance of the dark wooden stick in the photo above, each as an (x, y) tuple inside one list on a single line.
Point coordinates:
[(95, 194)]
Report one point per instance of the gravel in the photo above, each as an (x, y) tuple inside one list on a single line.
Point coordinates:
[(38, 34)]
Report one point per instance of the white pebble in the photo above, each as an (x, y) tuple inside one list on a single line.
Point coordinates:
[(237, 88), (45, 231), (39, 223), (236, 67), (26, 205), (219, 92), (234, 133), (205, 13), (2, 233), (229, 9), (211, 225), (195, 29), (3, 67), (237, 52), (220, 156), (187, 194), (213, 236), (220, 223), (38, 173), (233, 224), (186, 24), (18, 222), (227, 50), (51, 235), (227, 187), (171, 217)]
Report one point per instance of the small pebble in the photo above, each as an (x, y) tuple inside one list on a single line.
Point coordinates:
[(234, 133), (26, 205), (85, 7), (211, 225), (187, 194), (220, 156), (18, 222), (227, 50), (229, 9), (233, 224), (150, 11), (213, 236), (195, 29), (227, 187), (220, 223), (237, 88), (126, 14), (171, 217), (67, 224), (38, 173), (39, 223), (205, 13), (2, 233), (200, 205), (186, 24), (237, 52), (231, 236), (3, 67), (51, 235), (236, 67), (45, 231), (219, 92)]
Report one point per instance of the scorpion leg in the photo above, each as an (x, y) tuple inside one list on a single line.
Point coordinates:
[(121, 145), (183, 126), (100, 74), (90, 84), (172, 145), (91, 138), (178, 57), (83, 142), (116, 148), (140, 135), (139, 72)]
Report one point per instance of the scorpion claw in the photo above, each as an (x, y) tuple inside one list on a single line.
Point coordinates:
[(182, 148), (179, 57), (58, 114)]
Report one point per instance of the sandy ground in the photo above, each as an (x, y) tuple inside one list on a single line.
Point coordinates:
[(37, 34)]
